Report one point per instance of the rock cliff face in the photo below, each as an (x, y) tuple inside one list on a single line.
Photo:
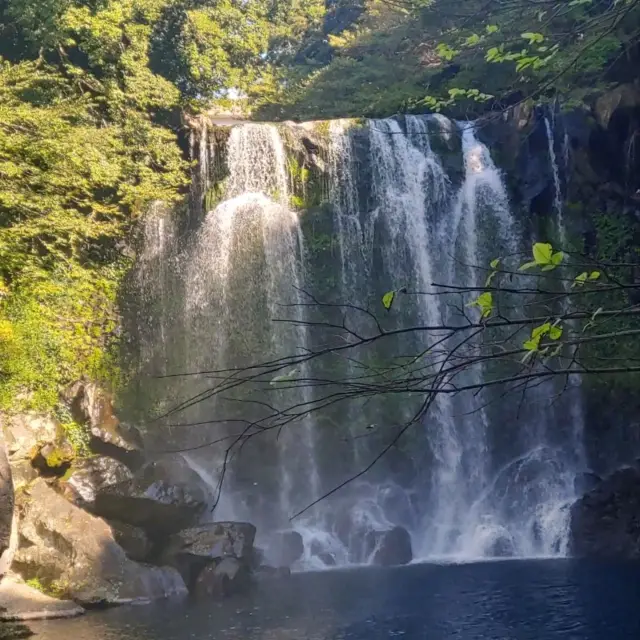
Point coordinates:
[(6, 508), (605, 522), (92, 518)]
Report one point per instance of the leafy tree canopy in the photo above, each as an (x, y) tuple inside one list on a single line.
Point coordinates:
[(400, 55), (90, 97)]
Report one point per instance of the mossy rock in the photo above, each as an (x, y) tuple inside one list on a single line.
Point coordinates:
[(54, 459)]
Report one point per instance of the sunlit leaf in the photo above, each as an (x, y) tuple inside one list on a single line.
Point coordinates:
[(387, 299), (555, 333), (542, 253)]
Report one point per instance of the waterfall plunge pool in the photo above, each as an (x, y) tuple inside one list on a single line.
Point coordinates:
[(507, 600)]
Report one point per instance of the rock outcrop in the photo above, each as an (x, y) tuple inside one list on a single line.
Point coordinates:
[(163, 497), (19, 601), (605, 522), (392, 547), (92, 407), (6, 507), (74, 554), (285, 548), (92, 476), (191, 550), (221, 579)]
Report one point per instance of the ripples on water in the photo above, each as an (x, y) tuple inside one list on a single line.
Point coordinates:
[(511, 600)]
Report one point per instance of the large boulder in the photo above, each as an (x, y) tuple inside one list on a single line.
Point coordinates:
[(163, 497), (36, 444), (6, 507), (92, 407), (605, 522), (19, 601), (74, 554), (92, 476), (25, 433), (192, 549), (285, 548), (392, 547), (222, 579), (133, 540)]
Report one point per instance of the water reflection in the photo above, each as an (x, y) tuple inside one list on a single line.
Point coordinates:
[(541, 600)]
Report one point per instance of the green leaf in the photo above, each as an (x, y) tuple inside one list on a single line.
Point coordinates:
[(579, 280), (485, 302), (387, 299), (594, 275), (494, 263), (557, 258), (531, 345), (492, 28), (533, 38), (472, 40), (540, 331), (528, 265), (542, 253), (555, 333)]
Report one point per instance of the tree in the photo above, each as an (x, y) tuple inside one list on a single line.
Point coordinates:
[(487, 54), (556, 317), (91, 95)]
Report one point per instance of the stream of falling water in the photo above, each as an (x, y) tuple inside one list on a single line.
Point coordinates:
[(417, 225)]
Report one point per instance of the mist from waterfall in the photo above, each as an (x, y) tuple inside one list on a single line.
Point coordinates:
[(421, 207)]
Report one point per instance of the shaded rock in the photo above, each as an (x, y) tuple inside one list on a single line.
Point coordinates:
[(163, 497), (23, 473), (501, 547), (133, 540), (54, 459), (266, 572), (14, 630), (285, 548), (92, 406), (92, 476), (190, 550), (624, 95), (328, 558), (6, 508), (605, 522), (74, 554), (225, 578), (585, 482), (257, 558), (19, 601), (393, 548)]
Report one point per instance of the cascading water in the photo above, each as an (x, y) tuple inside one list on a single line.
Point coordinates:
[(413, 203)]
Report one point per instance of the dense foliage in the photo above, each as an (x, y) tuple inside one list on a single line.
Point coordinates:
[(385, 56), (90, 101), (91, 96)]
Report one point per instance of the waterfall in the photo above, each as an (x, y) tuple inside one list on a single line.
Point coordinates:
[(555, 171), (411, 204)]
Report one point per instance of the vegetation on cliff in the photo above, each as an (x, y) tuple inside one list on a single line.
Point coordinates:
[(90, 101), (380, 57), (91, 95)]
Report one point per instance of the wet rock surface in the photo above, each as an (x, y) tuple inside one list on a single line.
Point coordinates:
[(91, 477), (163, 497), (191, 550), (605, 522), (6, 507), (19, 601), (393, 547), (222, 579), (75, 555)]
